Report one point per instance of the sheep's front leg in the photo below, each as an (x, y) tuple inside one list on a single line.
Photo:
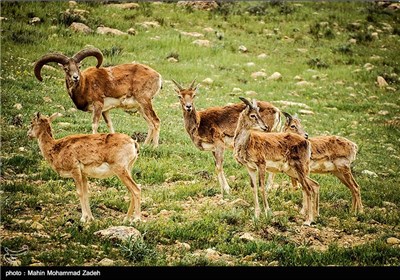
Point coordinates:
[(97, 112), (253, 180), (261, 179), (81, 189), (219, 168)]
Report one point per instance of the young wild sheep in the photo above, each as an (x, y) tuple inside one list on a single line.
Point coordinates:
[(330, 154), (89, 155), (274, 152), (99, 89), (213, 129)]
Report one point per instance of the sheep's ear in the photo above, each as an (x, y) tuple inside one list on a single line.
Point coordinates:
[(54, 116), (37, 115), (255, 106)]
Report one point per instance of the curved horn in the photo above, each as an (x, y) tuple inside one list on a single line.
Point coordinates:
[(192, 84), (288, 116), (178, 85), (54, 57), (82, 54), (247, 102)]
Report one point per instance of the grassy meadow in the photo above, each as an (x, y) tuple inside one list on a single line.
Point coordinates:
[(336, 50)]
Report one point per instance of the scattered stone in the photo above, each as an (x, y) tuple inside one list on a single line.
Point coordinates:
[(199, 5), (172, 59), (306, 112), (259, 74), (297, 78), (80, 28), (125, 6), (250, 64), (34, 20), (393, 240), (383, 112), (243, 49), (262, 56), (3, 18), (251, 93), (290, 103), (120, 233), (132, 31), (381, 82), (37, 226), (72, 4), (47, 99), (18, 106), (275, 76), (202, 43), (302, 50), (369, 173), (207, 81), (389, 204), (192, 34), (237, 90), (21, 149), (106, 262), (247, 237), (368, 66), (304, 83), (149, 24), (182, 245), (208, 29), (109, 31), (353, 41), (374, 35)]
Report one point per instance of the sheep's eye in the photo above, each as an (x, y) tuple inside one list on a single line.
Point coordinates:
[(252, 116), (179, 96), (293, 126)]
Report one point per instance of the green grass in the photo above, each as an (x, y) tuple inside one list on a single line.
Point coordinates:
[(181, 197)]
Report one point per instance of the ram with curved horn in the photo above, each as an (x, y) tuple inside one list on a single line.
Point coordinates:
[(99, 89)]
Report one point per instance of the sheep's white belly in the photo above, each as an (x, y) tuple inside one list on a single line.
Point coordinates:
[(277, 166), (207, 147), (101, 171), (126, 103), (228, 142), (322, 166)]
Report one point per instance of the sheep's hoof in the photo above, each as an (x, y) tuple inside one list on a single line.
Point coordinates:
[(86, 219), (307, 223)]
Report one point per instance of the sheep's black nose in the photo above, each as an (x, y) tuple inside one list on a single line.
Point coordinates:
[(75, 77), (188, 108)]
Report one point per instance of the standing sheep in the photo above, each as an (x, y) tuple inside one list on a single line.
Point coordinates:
[(89, 155), (99, 89)]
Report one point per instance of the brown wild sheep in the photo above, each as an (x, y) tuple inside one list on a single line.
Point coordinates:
[(89, 155), (212, 129), (99, 89)]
